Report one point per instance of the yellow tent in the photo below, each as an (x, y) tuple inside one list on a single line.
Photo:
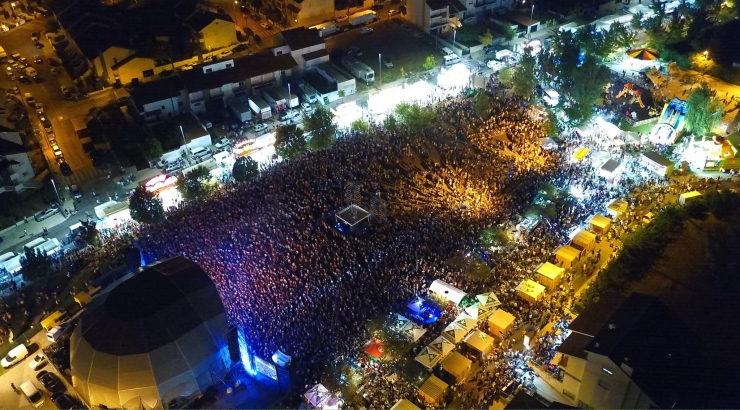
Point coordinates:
[(530, 291), (404, 404), (84, 297), (500, 322), (617, 208), (433, 390), (567, 255), (457, 365), (584, 240), (549, 275), (480, 341), (581, 153), (599, 224)]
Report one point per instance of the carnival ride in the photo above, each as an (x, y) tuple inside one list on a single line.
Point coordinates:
[(672, 121), (636, 94)]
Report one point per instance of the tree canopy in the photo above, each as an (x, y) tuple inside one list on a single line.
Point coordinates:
[(196, 184), (245, 169), (36, 265), (145, 206), (704, 112), (586, 84), (482, 105), (416, 118), (290, 142), (320, 124), (525, 78), (360, 125)]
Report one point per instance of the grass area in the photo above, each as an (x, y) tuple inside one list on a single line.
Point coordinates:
[(645, 128)]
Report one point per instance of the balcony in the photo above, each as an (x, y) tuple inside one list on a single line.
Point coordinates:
[(438, 21)]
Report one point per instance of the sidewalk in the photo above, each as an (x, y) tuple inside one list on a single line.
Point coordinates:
[(26, 232)]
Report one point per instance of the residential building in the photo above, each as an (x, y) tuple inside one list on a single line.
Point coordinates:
[(306, 12), (157, 101), (306, 46), (433, 16), (16, 171), (213, 31), (328, 81), (636, 353)]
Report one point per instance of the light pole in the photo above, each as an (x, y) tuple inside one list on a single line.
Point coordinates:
[(185, 142), (454, 35), (380, 66), (56, 192), (531, 14)]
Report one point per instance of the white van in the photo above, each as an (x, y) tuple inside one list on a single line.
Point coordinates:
[(446, 51), (14, 356), (451, 60), (33, 395), (200, 152)]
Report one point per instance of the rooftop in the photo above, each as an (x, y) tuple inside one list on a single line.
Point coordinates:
[(244, 68), (202, 19), (301, 37), (521, 19), (8, 147), (315, 54), (437, 4), (154, 91)]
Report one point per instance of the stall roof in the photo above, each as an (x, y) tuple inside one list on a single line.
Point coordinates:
[(412, 331), (442, 345), (568, 253), (434, 388), (618, 206), (454, 333), (13, 264), (549, 270), (429, 357), (447, 291), (487, 299), (456, 364), (581, 153), (404, 404), (600, 220), (531, 288), (480, 341), (465, 321), (584, 238), (501, 318), (610, 166)]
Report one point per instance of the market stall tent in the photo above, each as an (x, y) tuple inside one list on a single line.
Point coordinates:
[(599, 224), (454, 333), (488, 299), (375, 349), (466, 322), (443, 346), (401, 321), (447, 291), (530, 291), (433, 390), (404, 404), (500, 322), (581, 153), (317, 395), (549, 275), (429, 357), (584, 240), (457, 365), (567, 255), (412, 331), (480, 342), (617, 208), (472, 310)]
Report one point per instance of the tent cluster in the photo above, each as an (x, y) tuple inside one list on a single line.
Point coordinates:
[(319, 397)]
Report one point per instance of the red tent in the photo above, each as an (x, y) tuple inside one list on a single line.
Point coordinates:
[(375, 349)]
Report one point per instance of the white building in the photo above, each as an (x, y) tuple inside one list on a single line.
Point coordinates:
[(16, 171), (157, 101)]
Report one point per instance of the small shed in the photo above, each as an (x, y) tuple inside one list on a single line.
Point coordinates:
[(457, 365), (567, 255), (581, 153), (688, 197), (530, 291), (584, 240), (549, 275), (404, 404), (500, 322), (599, 224), (447, 291), (480, 341), (617, 208), (433, 390)]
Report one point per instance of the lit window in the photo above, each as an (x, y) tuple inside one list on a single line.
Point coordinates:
[(607, 371)]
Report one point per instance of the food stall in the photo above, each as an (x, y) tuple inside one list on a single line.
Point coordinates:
[(530, 291), (567, 255), (500, 322), (549, 275)]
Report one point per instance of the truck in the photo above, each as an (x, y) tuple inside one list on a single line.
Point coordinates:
[(240, 110), (362, 17), (3, 54), (276, 100), (260, 107), (326, 29), (78, 124), (359, 69)]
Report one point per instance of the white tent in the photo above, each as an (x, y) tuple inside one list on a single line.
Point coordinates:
[(488, 299), (472, 310), (465, 321), (447, 291), (412, 331), (401, 321), (454, 333), (13, 264), (317, 395), (429, 357), (501, 54), (443, 346)]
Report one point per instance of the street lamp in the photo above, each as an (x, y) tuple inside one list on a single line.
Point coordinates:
[(185, 142), (380, 66), (12, 8), (235, 3), (531, 14)]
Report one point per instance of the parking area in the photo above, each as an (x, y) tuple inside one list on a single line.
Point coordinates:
[(408, 54)]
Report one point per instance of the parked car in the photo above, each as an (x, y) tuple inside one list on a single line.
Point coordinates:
[(76, 193), (38, 45), (51, 382), (223, 144), (66, 402), (38, 60), (34, 37), (260, 127), (13, 90), (306, 107), (39, 108), (342, 18), (15, 355), (65, 90), (387, 62), (366, 30), (45, 214), (37, 361), (354, 50), (265, 26), (392, 12), (57, 332), (65, 169)]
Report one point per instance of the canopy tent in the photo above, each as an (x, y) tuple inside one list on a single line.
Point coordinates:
[(584, 240), (500, 322), (472, 310), (281, 359), (488, 299), (501, 54), (457, 365), (465, 321), (404, 404), (610, 169), (443, 346), (375, 349), (599, 224), (433, 390), (423, 311), (581, 153), (548, 143), (317, 395), (447, 291), (480, 341), (530, 291), (617, 207), (643, 54), (566, 255), (412, 331), (401, 321), (454, 333), (13, 265), (549, 275), (429, 357)]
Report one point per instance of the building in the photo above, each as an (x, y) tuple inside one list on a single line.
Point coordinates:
[(328, 80), (16, 171), (636, 353), (306, 46), (157, 337), (157, 101), (431, 16), (213, 31), (306, 12)]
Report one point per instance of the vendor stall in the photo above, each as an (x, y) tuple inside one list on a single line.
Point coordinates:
[(412, 331), (454, 333), (480, 342), (530, 291), (465, 322), (375, 349), (443, 346), (404, 404), (447, 291), (422, 310), (567, 255), (688, 197), (457, 365), (584, 240), (433, 390), (429, 357), (581, 153), (617, 208), (500, 322), (401, 321), (549, 275), (610, 169), (599, 224), (317, 396)]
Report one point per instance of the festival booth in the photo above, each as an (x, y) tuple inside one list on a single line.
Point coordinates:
[(423, 311), (500, 322), (443, 346), (13, 265), (670, 123), (375, 349), (581, 153), (481, 342), (465, 321), (549, 275), (447, 291), (599, 224), (504, 54), (689, 197), (530, 291), (318, 397), (455, 77), (281, 359), (429, 357), (412, 331), (617, 208), (656, 163), (457, 365), (401, 321), (584, 240), (567, 255), (454, 333), (551, 97), (404, 404), (610, 169), (433, 390)]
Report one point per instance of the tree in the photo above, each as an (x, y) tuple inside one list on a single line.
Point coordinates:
[(415, 117), (506, 75), (524, 76), (704, 112), (494, 237), (245, 169), (320, 124), (429, 63), (486, 38), (153, 149), (396, 343), (88, 232), (36, 265), (342, 94), (390, 123), (584, 89), (621, 36), (360, 125), (145, 206), (290, 142), (636, 22), (510, 33), (196, 184), (482, 105)]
